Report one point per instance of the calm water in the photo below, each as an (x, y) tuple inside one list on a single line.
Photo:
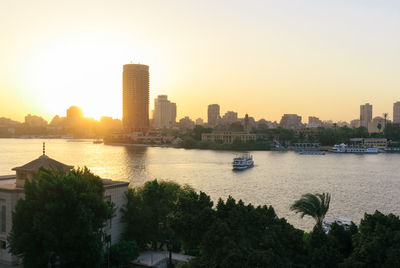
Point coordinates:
[(358, 183)]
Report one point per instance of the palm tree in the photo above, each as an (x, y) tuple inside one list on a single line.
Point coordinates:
[(314, 205)]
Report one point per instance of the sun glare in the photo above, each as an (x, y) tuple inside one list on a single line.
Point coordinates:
[(86, 73)]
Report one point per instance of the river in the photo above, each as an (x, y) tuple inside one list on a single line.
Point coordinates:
[(357, 183)]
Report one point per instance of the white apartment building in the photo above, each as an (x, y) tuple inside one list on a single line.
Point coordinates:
[(164, 112)]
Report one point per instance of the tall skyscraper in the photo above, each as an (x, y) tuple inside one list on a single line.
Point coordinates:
[(396, 112), (164, 112), (213, 114), (365, 114), (135, 88)]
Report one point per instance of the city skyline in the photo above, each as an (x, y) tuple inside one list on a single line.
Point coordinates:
[(265, 59)]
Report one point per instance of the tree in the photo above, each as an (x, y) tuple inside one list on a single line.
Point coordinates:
[(377, 244), (123, 253), (314, 205), (60, 220), (148, 208), (247, 236)]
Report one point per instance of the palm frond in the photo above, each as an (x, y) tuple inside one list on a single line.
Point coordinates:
[(314, 205)]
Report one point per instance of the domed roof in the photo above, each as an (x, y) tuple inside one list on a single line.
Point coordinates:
[(43, 161)]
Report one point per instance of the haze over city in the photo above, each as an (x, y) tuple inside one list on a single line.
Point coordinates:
[(264, 58)]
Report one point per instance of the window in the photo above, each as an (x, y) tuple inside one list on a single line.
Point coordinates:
[(3, 244)]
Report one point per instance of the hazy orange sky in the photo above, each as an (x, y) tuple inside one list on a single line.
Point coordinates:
[(264, 58)]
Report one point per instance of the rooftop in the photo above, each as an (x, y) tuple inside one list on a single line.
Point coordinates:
[(43, 161)]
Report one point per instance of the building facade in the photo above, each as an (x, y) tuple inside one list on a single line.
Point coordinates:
[(380, 143), (213, 115), (291, 121), (229, 136), (396, 112), (12, 189), (365, 114), (229, 117), (314, 122), (135, 95), (186, 123), (377, 125), (164, 112)]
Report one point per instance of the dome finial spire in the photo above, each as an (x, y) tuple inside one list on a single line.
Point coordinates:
[(44, 148)]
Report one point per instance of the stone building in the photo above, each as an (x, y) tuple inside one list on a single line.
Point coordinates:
[(12, 189)]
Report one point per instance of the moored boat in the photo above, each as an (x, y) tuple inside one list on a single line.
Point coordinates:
[(242, 162), (345, 222), (343, 148)]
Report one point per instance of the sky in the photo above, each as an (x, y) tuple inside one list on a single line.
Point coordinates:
[(265, 58)]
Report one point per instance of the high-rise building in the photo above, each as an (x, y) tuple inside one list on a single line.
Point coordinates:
[(213, 115), (396, 112), (365, 114), (164, 112), (135, 95)]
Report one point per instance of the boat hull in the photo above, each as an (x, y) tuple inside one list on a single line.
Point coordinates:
[(242, 167)]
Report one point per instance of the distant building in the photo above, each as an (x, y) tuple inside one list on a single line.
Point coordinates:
[(74, 114), (199, 121), (164, 112), (228, 136), (263, 124), (291, 121), (376, 125), (355, 123), (186, 123), (380, 143), (365, 114), (213, 115), (135, 95), (314, 122), (35, 121), (12, 189), (396, 112), (246, 126), (229, 117)]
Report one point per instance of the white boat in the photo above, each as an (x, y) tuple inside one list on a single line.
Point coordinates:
[(345, 222), (243, 162), (343, 148)]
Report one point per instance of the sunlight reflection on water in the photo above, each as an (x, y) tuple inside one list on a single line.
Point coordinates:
[(358, 183)]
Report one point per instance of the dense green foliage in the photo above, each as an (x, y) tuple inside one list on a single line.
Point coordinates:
[(123, 253), (233, 234), (314, 205), (160, 211), (392, 132), (378, 242), (60, 220), (247, 236)]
